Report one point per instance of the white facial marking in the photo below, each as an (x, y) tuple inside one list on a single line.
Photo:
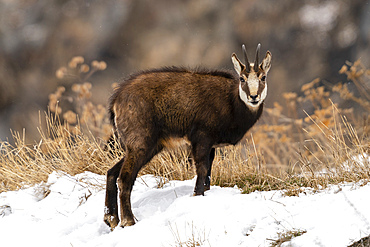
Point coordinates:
[(264, 93), (253, 82)]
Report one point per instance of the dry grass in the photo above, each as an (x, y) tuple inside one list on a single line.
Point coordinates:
[(363, 242), (286, 237), (311, 142), (57, 150), (196, 237)]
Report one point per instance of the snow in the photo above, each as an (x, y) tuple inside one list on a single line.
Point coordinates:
[(72, 215)]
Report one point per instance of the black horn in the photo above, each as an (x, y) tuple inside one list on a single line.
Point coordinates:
[(248, 66), (255, 67)]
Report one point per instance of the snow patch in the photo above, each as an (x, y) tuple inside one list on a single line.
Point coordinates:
[(72, 214)]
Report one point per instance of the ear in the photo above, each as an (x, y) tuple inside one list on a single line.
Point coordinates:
[(238, 66), (266, 62)]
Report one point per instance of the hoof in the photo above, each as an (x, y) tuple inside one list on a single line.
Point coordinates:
[(127, 222), (111, 221), (198, 194), (207, 187)]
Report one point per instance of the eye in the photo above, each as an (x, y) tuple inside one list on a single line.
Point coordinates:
[(241, 79), (263, 78)]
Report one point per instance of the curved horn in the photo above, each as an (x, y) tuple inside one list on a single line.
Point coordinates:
[(255, 67), (247, 64)]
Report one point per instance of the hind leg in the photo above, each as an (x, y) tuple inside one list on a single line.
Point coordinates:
[(135, 160), (126, 181), (111, 207)]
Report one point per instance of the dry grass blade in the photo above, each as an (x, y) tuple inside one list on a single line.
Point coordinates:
[(286, 237)]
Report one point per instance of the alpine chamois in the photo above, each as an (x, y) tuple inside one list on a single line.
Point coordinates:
[(208, 108)]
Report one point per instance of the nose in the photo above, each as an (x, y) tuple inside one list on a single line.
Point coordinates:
[(254, 97)]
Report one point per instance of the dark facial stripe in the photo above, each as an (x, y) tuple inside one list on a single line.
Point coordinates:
[(261, 86)]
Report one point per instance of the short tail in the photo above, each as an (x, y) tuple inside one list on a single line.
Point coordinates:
[(112, 144)]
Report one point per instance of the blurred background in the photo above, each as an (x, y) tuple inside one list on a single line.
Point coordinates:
[(307, 39)]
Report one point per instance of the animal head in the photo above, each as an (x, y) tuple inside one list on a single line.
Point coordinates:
[(252, 78)]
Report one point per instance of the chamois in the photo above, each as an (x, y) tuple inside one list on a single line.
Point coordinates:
[(208, 108)]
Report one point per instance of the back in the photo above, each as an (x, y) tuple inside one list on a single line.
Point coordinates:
[(176, 98)]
